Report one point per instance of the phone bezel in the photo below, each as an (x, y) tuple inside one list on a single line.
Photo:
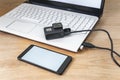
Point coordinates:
[(59, 71)]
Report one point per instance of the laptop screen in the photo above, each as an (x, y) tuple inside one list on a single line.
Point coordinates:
[(87, 3)]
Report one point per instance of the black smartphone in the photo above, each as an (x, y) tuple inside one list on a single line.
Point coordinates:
[(44, 58)]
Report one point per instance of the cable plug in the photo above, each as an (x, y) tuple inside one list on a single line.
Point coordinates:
[(88, 45), (67, 31)]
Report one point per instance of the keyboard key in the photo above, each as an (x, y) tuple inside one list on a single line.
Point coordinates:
[(77, 25), (89, 25), (84, 23)]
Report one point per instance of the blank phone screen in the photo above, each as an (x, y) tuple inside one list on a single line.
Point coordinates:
[(44, 58)]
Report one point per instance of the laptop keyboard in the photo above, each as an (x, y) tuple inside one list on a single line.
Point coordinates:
[(47, 16)]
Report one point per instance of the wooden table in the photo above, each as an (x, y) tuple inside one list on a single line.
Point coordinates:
[(88, 64)]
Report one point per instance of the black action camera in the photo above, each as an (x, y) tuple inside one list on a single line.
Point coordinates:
[(56, 31)]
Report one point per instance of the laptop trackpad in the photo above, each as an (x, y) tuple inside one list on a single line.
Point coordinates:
[(21, 26)]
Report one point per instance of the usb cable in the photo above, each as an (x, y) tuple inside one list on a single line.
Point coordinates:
[(90, 45)]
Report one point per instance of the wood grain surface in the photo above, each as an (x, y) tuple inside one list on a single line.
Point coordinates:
[(88, 64)]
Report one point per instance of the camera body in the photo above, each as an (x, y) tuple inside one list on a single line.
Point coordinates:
[(55, 31)]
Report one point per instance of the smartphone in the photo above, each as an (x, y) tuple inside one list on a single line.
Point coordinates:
[(46, 59)]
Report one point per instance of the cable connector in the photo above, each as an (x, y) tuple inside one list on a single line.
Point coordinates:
[(88, 45)]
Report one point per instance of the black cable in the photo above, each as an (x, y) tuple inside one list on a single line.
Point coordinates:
[(89, 45)]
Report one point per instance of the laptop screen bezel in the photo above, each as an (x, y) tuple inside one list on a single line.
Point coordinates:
[(80, 9)]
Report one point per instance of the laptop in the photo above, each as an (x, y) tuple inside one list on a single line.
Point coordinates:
[(28, 20)]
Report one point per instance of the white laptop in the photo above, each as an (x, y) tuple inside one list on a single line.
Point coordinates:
[(28, 20)]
